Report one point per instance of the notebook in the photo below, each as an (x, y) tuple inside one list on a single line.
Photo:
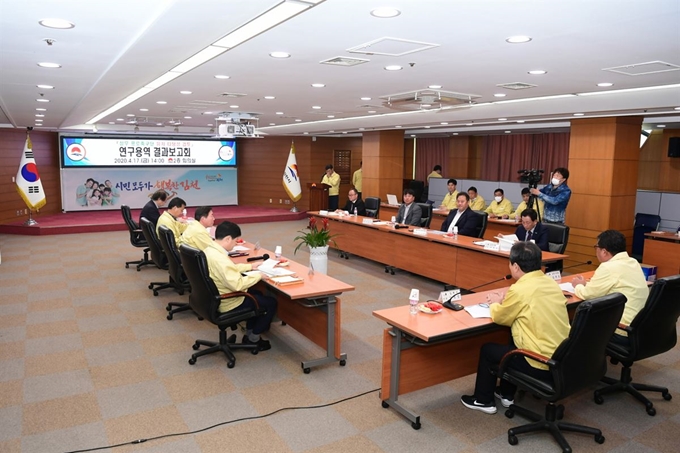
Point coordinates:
[(392, 199)]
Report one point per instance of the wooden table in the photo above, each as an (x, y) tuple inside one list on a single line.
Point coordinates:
[(452, 260), (312, 308), (662, 249), (423, 350)]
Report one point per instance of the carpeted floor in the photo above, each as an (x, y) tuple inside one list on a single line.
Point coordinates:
[(88, 359)]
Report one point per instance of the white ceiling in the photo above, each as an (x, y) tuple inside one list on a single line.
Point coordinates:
[(118, 46)]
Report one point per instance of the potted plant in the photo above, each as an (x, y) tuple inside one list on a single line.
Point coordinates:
[(317, 239)]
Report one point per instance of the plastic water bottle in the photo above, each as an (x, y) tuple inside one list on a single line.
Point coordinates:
[(455, 232), (356, 212), (184, 214), (413, 301)]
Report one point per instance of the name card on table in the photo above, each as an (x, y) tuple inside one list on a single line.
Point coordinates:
[(450, 295), (494, 246), (555, 275), (420, 231), (322, 212), (367, 221)]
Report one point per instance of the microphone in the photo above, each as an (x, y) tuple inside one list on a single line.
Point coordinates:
[(397, 226), (264, 257), (578, 264), (505, 277)]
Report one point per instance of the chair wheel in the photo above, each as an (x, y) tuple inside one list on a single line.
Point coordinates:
[(200, 319), (599, 438), (384, 404), (346, 257), (306, 370), (598, 399), (343, 362), (181, 292), (232, 338), (416, 425), (667, 396), (139, 269), (254, 351), (169, 317), (150, 286), (231, 364), (509, 413), (195, 346), (512, 439), (192, 361), (387, 270), (168, 308), (155, 293), (127, 266), (392, 272), (651, 411)]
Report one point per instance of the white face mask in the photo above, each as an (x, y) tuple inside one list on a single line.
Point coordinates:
[(498, 199), (555, 181)]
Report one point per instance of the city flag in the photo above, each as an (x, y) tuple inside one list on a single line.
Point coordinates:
[(291, 179), (28, 181)]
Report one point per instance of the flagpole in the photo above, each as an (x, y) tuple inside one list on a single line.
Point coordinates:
[(30, 221)]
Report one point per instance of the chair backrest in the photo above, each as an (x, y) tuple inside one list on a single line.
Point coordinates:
[(653, 330), (418, 188), (372, 206), (558, 237), (136, 236), (204, 298), (580, 358), (426, 214), (167, 238), (481, 223), (155, 247), (644, 223)]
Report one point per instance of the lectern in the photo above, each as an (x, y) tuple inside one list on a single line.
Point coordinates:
[(318, 196)]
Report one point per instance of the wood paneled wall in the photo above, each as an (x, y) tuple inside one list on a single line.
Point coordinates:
[(465, 157), (383, 154), (46, 152), (658, 171)]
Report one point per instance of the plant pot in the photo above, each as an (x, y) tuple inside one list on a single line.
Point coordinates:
[(318, 259)]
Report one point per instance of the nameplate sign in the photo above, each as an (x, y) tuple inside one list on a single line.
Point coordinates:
[(420, 231), (450, 295), (555, 275), (494, 246), (367, 221)]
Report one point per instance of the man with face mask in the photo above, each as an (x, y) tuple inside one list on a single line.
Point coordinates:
[(500, 207), (555, 195)]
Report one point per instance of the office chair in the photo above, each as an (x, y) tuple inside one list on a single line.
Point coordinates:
[(578, 362), (481, 224), (136, 238), (426, 216), (157, 255), (372, 206), (558, 237), (177, 277), (644, 223), (652, 332), (205, 301)]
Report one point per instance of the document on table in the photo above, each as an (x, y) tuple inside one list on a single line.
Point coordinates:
[(568, 287), (268, 268), (477, 311), (240, 248), (483, 243)]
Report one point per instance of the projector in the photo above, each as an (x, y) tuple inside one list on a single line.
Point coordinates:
[(236, 130)]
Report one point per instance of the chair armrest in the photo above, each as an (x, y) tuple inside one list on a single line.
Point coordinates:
[(138, 231), (625, 327), (524, 353), (240, 294)]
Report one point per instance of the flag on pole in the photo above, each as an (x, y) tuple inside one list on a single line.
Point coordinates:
[(28, 181), (291, 179)]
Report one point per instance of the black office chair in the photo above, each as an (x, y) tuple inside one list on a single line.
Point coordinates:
[(136, 238), (177, 277), (644, 223), (652, 332), (372, 206), (578, 362), (558, 237), (426, 214), (157, 254), (205, 301), (481, 224)]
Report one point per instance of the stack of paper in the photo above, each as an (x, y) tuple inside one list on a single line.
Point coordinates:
[(268, 269), (568, 287), (477, 311)]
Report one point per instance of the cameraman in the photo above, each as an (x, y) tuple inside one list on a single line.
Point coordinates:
[(555, 196)]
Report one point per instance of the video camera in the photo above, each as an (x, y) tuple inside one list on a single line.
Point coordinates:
[(531, 177)]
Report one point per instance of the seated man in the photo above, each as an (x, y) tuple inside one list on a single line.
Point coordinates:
[(536, 311), (436, 172), (463, 217), (524, 205), (151, 210), (354, 203), (477, 202), (228, 279), (532, 229), (196, 235), (618, 273), (171, 218), (451, 198), (409, 212), (500, 207)]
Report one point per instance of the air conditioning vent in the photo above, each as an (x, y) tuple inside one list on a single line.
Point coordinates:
[(516, 85), (344, 61), (650, 67), (428, 99), (232, 95)]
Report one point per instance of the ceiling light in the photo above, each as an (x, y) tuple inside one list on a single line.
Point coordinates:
[(500, 95), (605, 84), (143, 110), (112, 122), (660, 125), (187, 117), (159, 124), (426, 105), (519, 39), (41, 109), (198, 59), (507, 132), (344, 132), (371, 111), (222, 76), (630, 90), (443, 124), (318, 85), (435, 87), (43, 100), (208, 113), (316, 107), (122, 103), (185, 92), (272, 124), (393, 67), (520, 121), (270, 97), (45, 87), (537, 72), (38, 120), (361, 129), (413, 135), (455, 133), (161, 102), (385, 13), (279, 54), (120, 119), (331, 116), (130, 115), (676, 108), (365, 99), (49, 65), (297, 120), (162, 80), (56, 23), (427, 127), (279, 113), (469, 124), (39, 115), (398, 127), (502, 119), (233, 106), (305, 133), (578, 114)]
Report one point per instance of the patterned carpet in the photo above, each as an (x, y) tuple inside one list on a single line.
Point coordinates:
[(87, 359)]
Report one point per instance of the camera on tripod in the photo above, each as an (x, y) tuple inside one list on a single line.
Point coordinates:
[(531, 177)]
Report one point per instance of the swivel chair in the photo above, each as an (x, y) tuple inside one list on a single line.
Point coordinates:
[(372, 206), (577, 363), (652, 332), (426, 216), (157, 254), (205, 301), (136, 238), (177, 277), (481, 224), (644, 223), (558, 237)]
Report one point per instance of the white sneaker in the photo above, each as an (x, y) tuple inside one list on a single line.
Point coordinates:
[(470, 402), (505, 402)]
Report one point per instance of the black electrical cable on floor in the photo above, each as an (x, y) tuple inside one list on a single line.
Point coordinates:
[(140, 441)]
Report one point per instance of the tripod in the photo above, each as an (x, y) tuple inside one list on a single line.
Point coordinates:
[(533, 201)]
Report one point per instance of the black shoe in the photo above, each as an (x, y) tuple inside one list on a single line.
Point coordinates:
[(262, 344), (470, 402)]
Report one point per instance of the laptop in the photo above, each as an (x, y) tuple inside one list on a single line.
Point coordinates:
[(392, 199)]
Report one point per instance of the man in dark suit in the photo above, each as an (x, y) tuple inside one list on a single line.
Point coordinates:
[(409, 212), (354, 202), (532, 229), (463, 217), (151, 210)]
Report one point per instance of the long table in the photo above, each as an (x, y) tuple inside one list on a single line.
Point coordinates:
[(312, 308), (662, 249), (452, 260), (423, 350)]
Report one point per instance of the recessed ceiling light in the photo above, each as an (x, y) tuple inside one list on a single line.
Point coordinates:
[(43, 100), (279, 54), (279, 113), (305, 133), (49, 65), (331, 116), (39, 115), (143, 110), (660, 125), (185, 92), (210, 124), (365, 99), (120, 119), (361, 129), (393, 67), (270, 97), (45, 87), (413, 135), (385, 13), (112, 122), (502, 119), (41, 109), (331, 131), (159, 124), (208, 113), (676, 108), (520, 121), (455, 133), (161, 102), (427, 127), (469, 124), (316, 107), (507, 132), (578, 114), (318, 85), (605, 84), (371, 111), (233, 106), (220, 76), (344, 132), (426, 105), (500, 95), (187, 117), (38, 120), (56, 23), (130, 114), (397, 127), (272, 124), (537, 72), (519, 39), (297, 120), (435, 87), (443, 124)]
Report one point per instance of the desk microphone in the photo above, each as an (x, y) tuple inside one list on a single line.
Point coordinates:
[(397, 226), (505, 277), (264, 257), (578, 264)]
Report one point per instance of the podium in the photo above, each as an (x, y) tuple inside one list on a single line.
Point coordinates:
[(318, 196)]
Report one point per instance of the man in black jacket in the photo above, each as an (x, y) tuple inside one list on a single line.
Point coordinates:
[(467, 221), (151, 210), (354, 202), (532, 229)]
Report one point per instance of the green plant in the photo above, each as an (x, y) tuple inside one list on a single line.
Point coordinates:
[(314, 236)]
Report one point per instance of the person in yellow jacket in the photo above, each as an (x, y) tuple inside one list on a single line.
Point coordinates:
[(436, 172), (477, 202), (451, 197), (356, 179), (535, 309), (196, 235), (172, 218), (332, 179), (500, 207), (517, 215)]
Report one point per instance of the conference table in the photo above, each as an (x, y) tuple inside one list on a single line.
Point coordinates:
[(494, 227), (424, 349), (312, 307), (662, 249), (454, 260)]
